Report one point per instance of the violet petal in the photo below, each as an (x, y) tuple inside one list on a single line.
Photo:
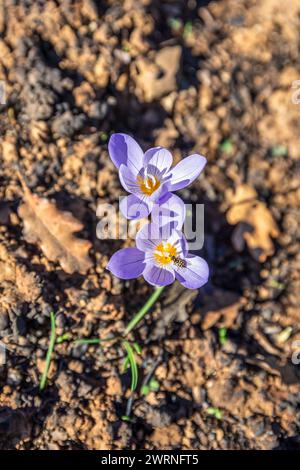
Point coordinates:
[(186, 171), (127, 263), (157, 276), (133, 207), (158, 157), (148, 237), (129, 180), (123, 149), (172, 210), (195, 275)]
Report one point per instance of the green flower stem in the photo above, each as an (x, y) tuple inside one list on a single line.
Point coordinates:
[(131, 325), (142, 312)]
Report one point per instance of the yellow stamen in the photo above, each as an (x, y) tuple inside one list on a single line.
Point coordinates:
[(149, 184), (164, 252)]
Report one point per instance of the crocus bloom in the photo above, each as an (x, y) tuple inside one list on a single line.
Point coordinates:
[(161, 256), (148, 177)]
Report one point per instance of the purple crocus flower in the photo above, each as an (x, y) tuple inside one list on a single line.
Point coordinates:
[(148, 177), (161, 256)]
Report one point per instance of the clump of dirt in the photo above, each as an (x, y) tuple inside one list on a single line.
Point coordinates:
[(207, 77)]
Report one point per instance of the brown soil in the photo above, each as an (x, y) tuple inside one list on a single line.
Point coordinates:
[(195, 76)]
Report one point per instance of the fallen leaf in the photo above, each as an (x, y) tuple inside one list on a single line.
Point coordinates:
[(53, 230), (254, 222)]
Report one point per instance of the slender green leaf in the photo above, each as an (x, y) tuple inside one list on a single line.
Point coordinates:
[(79, 342), (137, 347), (133, 365), (125, 364), (49, 352), (93, 341)]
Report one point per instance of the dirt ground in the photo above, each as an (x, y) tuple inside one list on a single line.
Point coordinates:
[(195, 76)]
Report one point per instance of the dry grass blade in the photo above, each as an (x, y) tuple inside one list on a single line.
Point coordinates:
[(53, 230)]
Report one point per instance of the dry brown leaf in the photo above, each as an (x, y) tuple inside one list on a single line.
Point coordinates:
[(254, 222), (54, 231)]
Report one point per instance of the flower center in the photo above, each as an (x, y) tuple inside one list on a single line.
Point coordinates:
[(164, 252), (148, 184)]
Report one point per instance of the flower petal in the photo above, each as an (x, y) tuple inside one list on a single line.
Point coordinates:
[(160, 158), (123, 149), (134, 208), (148, 237), (128, 180), (127, 263), (196, 273), (186, 171), (157, 276), (160, 193), (172, 210), (178, 239)]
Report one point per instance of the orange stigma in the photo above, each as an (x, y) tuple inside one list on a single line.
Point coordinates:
[(148, 184)]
